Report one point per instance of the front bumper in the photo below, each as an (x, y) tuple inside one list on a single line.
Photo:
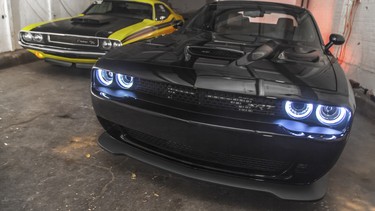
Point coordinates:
[(236, 149), (64, 57), (312, 192)]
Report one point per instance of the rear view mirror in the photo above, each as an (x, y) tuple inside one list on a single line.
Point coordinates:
[(253, 14), (335, 39)]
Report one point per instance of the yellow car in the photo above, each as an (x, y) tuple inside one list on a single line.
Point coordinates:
[(105, 25)]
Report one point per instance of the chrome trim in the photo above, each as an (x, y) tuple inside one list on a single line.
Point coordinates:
[(62, 50), (73, 35), (67, 43)]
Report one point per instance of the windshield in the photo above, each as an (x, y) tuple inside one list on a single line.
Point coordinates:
[(258, 23), (122, 8)]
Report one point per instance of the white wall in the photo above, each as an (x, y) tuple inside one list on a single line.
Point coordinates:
[(358, 60), (24, 12)]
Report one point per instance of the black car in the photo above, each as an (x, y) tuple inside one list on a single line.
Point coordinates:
[(246, 95)]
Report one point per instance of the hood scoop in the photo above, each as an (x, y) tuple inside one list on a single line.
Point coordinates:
[(213, 53), (92, 20), (300, 54)]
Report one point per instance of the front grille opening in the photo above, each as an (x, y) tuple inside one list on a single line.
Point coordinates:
[(209, 159), (210, 98)]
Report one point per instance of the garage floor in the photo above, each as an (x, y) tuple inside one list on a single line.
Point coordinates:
[(49, 159)]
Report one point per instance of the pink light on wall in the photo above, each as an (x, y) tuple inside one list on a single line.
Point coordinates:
[(324, 14)]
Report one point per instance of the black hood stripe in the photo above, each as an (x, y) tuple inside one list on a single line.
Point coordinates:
[(148, 30)]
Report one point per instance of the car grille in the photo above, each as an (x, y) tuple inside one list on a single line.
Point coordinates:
[(210, 98), (219, 160), (74, 40)]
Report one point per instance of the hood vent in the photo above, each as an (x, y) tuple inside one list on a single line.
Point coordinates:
[(214, 53), (92, 19)]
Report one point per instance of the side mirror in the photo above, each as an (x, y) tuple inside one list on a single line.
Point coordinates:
[(335, 39), (178, 24)]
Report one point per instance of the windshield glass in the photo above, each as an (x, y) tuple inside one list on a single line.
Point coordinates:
[(122, 8), (258, 23)]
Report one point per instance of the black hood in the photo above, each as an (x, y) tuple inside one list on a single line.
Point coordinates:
[(212, 59), (89, 25)]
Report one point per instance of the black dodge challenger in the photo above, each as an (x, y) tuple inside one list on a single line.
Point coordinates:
[(246, 95)]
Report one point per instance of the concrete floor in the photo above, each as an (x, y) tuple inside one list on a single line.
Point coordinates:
[(49, 159)]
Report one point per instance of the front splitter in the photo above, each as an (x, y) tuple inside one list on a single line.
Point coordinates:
[(313, 192)]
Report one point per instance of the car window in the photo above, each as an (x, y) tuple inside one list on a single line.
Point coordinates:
[(162, 12), (271, 24), (122, 8), (259, 23)]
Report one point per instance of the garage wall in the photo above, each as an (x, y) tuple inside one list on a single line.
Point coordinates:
[(20, 13), (358, 56)]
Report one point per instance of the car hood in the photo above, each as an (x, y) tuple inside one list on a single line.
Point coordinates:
[(169, 58), (88, 25)]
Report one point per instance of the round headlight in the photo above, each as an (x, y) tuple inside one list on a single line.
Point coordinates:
[(124, 81), (117, 44), (38, 38), (297, 110), (28, 37), (330, 115), (106, 44), (105, 77)]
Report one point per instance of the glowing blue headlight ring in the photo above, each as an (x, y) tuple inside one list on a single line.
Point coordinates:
[(125, 84), (338, 120), (307, 113), (101, 79)]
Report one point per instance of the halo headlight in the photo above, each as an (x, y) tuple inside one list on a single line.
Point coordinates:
[(124, 81), (298, 110), (105, 77), (330, 115)]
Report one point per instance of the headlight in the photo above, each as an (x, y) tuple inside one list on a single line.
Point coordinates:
[(38, 38), (116, 44), (105, 77), (297, 110), (330, 115), (27, 36), (106, 44), (124, 81)]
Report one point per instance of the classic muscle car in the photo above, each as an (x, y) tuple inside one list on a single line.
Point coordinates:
[(103, 26), (245, 95)]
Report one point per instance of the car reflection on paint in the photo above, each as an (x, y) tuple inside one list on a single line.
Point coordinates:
[(245, 95)]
